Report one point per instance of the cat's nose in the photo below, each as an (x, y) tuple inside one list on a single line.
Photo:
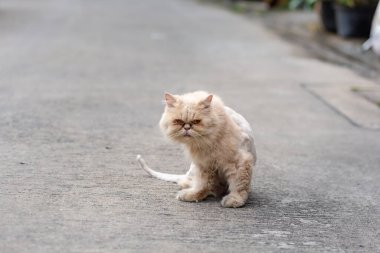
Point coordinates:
[(187, 126)]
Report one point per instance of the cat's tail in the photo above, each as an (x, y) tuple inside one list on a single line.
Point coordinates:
[(163, 176)]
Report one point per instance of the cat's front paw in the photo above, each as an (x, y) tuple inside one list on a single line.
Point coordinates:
[(233, 200), (190, 195)]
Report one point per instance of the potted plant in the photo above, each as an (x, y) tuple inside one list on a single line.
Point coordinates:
[(327, 15), (354, 17)]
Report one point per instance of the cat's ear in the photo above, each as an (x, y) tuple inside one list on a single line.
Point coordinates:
[(207, 102), (169, 99)]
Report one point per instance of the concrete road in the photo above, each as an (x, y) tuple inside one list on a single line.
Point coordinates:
[(81, 85)]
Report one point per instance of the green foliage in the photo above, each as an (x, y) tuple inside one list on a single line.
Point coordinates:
[(356, 3), (301, 4)]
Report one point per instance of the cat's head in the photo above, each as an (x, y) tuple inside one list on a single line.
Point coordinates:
[(190, 117)]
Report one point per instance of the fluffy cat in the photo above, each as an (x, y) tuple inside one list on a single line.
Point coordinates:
[(219, 142)]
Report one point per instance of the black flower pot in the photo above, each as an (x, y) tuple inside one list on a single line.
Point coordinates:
[(328, 15), (354, 22)]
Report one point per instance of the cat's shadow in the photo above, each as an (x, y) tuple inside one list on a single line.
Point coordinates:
[(256, 200)]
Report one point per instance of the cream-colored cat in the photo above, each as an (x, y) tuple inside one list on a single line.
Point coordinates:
[(219, 142)]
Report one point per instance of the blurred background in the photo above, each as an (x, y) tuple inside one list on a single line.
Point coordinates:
[(336, 31)]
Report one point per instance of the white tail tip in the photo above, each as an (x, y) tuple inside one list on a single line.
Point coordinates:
[(156, 174)]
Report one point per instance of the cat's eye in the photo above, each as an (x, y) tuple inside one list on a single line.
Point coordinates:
[(195, 122), (178, 122)]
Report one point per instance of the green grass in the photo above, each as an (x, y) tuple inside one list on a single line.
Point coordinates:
[(239, 8), (355, 89)]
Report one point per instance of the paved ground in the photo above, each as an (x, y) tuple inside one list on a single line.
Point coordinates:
[(81, 85)]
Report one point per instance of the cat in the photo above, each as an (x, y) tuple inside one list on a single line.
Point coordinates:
[(219, 142)]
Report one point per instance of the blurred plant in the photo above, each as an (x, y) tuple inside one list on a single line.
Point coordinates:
[(357, 3), (302, 4)]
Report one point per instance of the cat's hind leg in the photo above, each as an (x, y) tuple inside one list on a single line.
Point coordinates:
[(198, 184), (186, 182)]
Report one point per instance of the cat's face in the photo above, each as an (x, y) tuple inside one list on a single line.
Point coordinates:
[(188, 118)]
